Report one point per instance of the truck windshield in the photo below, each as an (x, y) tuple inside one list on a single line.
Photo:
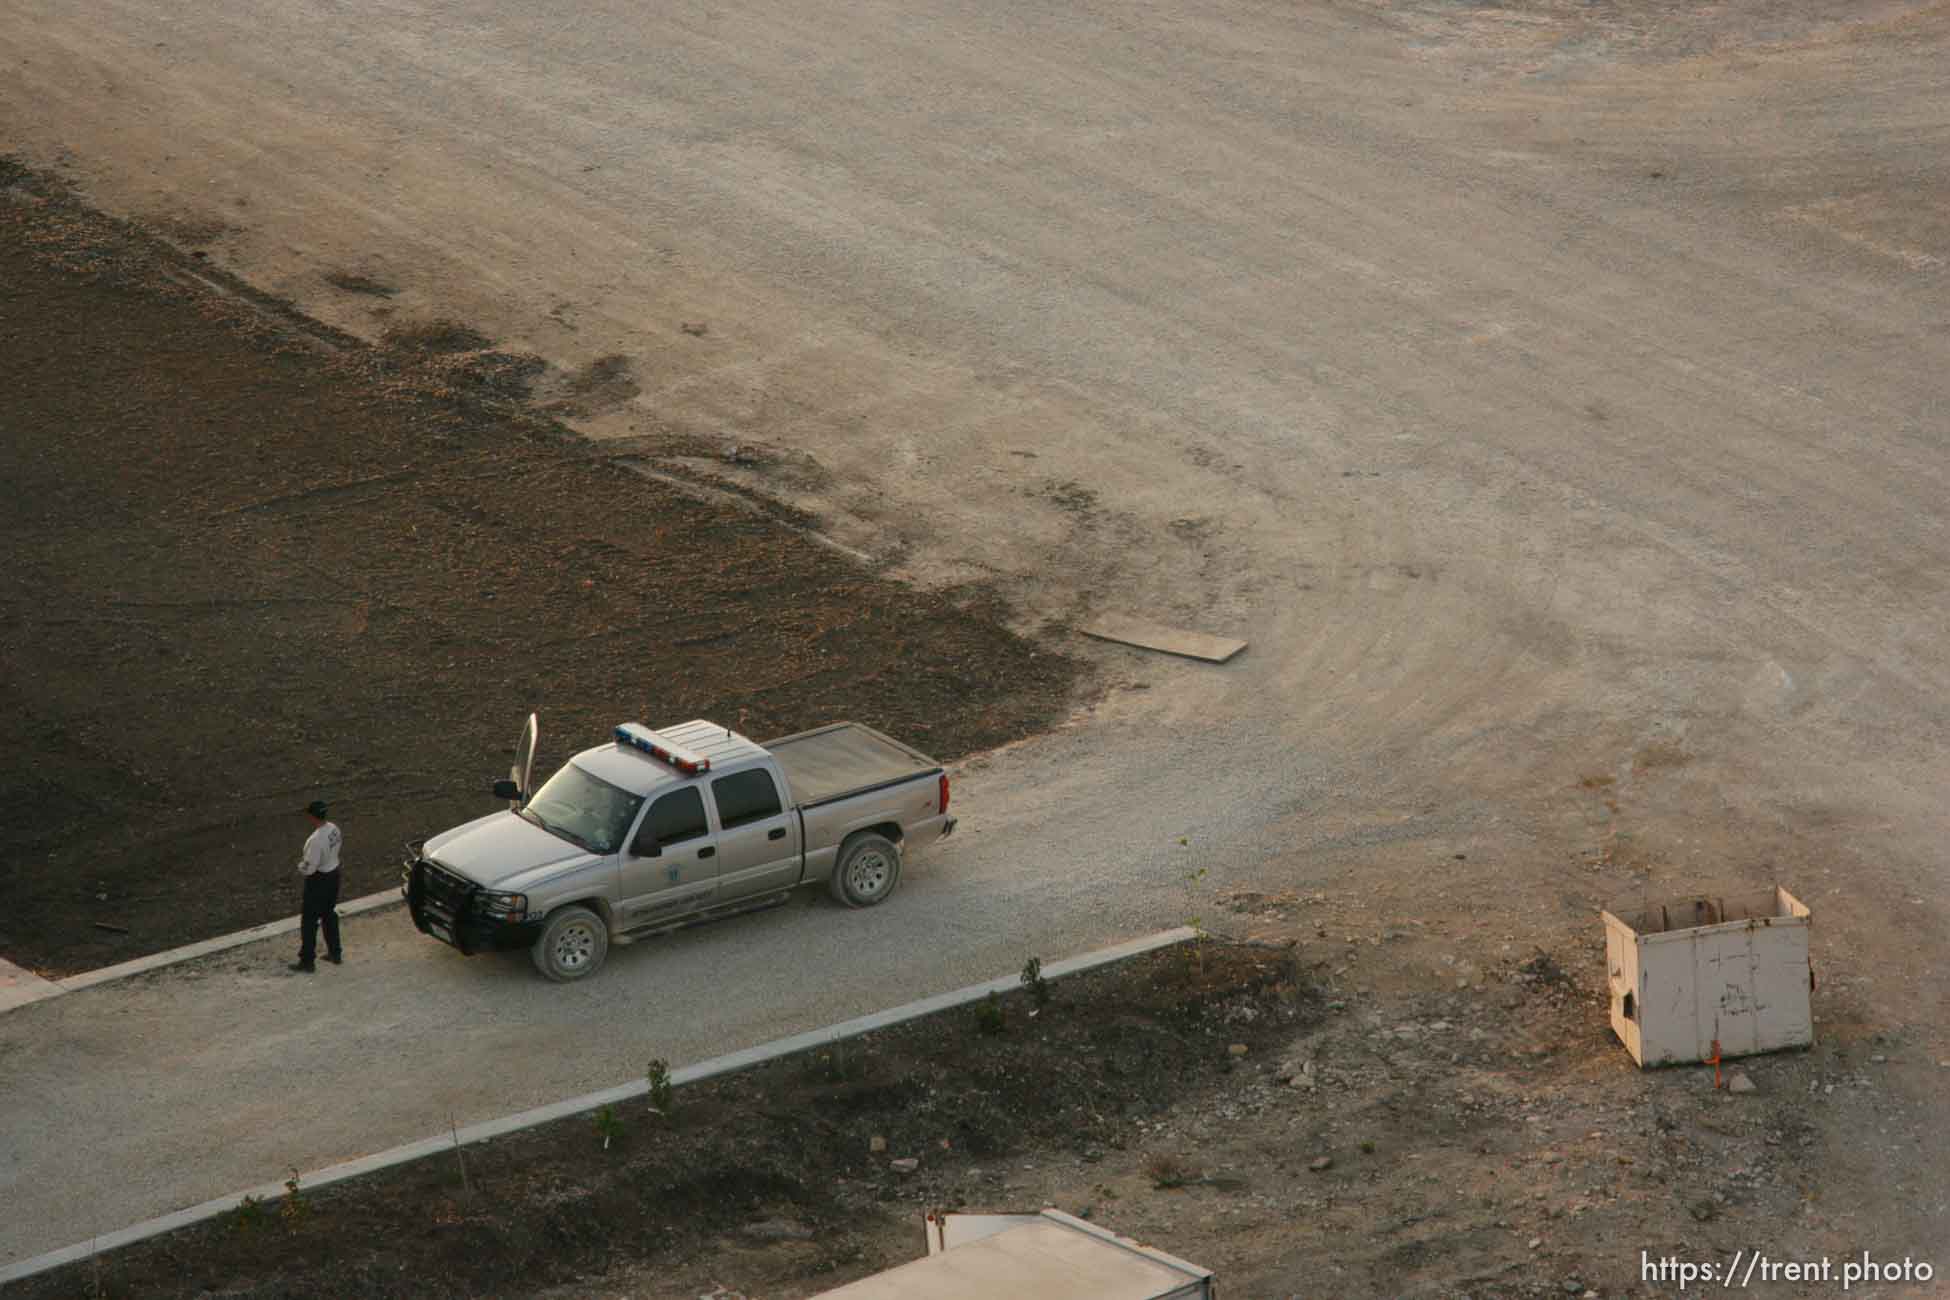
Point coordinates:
[(584, 810)]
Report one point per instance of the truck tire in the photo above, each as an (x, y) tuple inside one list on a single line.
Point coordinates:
[(868, 868), (572, 945)]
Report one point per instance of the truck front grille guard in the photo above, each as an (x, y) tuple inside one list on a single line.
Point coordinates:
[(416, 892), (431, 887)]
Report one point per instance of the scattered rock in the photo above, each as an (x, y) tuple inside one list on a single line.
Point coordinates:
[(1237, 1049), (1703, 1210), (1740, 1083), (905, 1165), (876, 1144), (1320, 1164), (1879, 1059)]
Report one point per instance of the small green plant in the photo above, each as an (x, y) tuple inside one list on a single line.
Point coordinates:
[(662, 1093), (609, 1125), (841, 1062), (1367, 1148), (295, 1207), (849, 1065), (989, 1016), (1167, 1171), (249, 1215), (1032, 979), (453, 1127), (1194, 921)]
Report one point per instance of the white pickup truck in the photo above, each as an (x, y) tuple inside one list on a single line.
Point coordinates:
[(661, 829)]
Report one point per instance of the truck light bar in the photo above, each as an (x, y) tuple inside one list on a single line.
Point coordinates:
[(641, 737)]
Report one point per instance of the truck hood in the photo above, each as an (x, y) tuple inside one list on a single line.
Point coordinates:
[(501, 851)]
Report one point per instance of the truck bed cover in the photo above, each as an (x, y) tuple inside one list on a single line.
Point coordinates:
[(846, 758)]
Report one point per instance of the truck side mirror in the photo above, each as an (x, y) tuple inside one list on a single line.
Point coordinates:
[(646, 846), (506, 789)]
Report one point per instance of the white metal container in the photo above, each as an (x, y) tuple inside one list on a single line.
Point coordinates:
[(1688, 973)]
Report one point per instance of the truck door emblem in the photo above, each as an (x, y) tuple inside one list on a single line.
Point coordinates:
[(673, 873)]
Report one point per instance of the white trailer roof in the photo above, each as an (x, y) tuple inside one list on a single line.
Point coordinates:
[(1050, 1257)]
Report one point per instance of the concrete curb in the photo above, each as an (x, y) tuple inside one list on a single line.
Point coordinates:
[(42, 989), (719, 1065), (18, 987)]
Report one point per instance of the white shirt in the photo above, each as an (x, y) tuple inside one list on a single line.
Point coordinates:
[(321, 851)]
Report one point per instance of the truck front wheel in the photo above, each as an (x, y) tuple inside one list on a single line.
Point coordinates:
[(868, 868), (572, 945)]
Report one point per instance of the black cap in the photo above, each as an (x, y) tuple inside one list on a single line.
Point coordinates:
[(317, 809)]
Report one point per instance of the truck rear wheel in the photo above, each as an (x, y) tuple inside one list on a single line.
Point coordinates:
[(868, 868), (572, 945)]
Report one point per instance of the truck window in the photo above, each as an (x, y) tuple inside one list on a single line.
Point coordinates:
[(745, 797), (678, 816), (582, 808)]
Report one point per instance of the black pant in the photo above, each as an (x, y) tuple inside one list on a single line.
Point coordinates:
[(321, 904)]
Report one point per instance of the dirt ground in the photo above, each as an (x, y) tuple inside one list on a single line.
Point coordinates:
[(767, 1179), (1351, 1114), (254, 562)]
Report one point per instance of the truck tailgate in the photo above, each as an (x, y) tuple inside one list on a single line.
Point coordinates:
[(845, 759)]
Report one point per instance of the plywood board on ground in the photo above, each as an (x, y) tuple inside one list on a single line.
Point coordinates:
[(1171, 640)]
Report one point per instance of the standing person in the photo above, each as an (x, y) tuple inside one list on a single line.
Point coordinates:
[(320, 869)]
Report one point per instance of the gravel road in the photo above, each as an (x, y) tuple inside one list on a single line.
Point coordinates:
[(134, 1098), (1545, 392)]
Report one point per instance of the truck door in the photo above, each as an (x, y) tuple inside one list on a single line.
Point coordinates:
[(523, 772), (758, 836), (670, 867)]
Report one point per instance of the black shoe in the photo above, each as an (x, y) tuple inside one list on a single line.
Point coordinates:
[(336, 960), (304, 967)]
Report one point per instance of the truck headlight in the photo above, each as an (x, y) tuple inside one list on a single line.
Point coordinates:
[(503, 907)]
